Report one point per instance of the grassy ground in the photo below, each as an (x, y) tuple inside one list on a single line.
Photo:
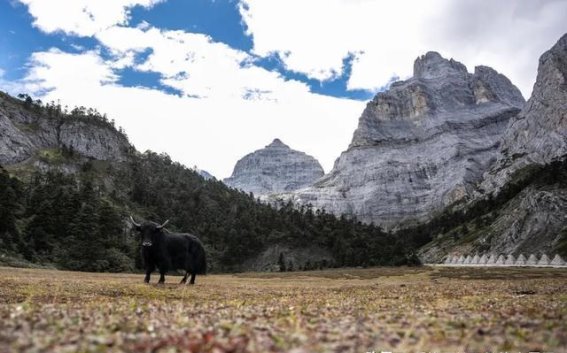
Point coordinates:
[(359, 310)]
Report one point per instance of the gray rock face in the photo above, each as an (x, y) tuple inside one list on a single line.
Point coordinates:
[(24, 132), (532, 222), (92, 141), (421, 145), (275, 168), (15, 146), (538, 135)]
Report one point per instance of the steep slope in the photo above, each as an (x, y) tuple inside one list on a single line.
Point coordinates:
[(526, 217), (420, 146), (538, 135), (275, 168), (532, 162), (26, 132), (69, 181)]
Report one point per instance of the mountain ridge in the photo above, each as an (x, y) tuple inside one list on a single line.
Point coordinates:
[(274, 168), (68, 206), (420, 146)]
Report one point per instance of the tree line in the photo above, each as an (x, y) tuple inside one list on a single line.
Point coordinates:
[(79, 221), (74, 222), (57, 219)]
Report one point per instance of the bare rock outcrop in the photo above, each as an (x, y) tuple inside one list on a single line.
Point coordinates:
[(538, 135), (420, 146), (534, 220), (25, 132), (275, 168)]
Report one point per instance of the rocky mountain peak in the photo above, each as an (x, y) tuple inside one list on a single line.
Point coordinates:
[(489, 85), (551, 82), (531, 161), (421, 145), (539, 132), (441, 93), (537, 135), (275, 168), (433, 65), (277, 143)]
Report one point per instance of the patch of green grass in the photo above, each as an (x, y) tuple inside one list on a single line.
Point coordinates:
[(51, 156)]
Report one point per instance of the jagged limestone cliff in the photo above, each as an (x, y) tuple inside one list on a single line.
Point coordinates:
[(534, 220), (420, 146), (538, 135), (275, 168), (26, 132)]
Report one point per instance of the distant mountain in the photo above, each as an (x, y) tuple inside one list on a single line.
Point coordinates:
[(206, 175), (420, 146), (459, 158), (69, 180), (538, 135), (521, 203), (275, 168), (450, 162)]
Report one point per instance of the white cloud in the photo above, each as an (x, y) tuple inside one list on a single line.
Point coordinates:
[(242, 107), (313, 36), (212, 133), (54, 69), (197, 66), (316, 35), (81, 17)]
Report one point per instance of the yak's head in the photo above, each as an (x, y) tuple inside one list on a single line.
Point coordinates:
[(151, 232)]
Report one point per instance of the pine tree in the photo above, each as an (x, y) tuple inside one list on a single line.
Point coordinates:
[(290, 266), (281, 262), (11, 195)]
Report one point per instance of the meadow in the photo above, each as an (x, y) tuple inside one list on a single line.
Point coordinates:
[(427, 309)]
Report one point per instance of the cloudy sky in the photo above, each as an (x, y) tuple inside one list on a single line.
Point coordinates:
[(208, 81)]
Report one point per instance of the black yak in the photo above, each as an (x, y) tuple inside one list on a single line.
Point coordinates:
[(170, 251)]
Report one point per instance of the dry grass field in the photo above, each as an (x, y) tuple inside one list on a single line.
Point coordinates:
[(355, 310)]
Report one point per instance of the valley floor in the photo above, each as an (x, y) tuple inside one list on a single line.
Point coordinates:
[(356, 310)]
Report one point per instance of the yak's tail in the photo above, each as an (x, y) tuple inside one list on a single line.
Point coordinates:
[(200, 260)]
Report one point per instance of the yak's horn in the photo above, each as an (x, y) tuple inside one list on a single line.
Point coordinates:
[(134, 222), (163, 225)]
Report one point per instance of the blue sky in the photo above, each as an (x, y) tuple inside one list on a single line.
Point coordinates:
[(220, 20), (209, 81)]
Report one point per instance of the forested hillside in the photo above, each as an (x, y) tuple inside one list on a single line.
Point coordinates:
[(62, 208)]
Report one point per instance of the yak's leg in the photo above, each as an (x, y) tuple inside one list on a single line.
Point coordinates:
[(184, 280), (149, 270), (192, 281), (162, 276)]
